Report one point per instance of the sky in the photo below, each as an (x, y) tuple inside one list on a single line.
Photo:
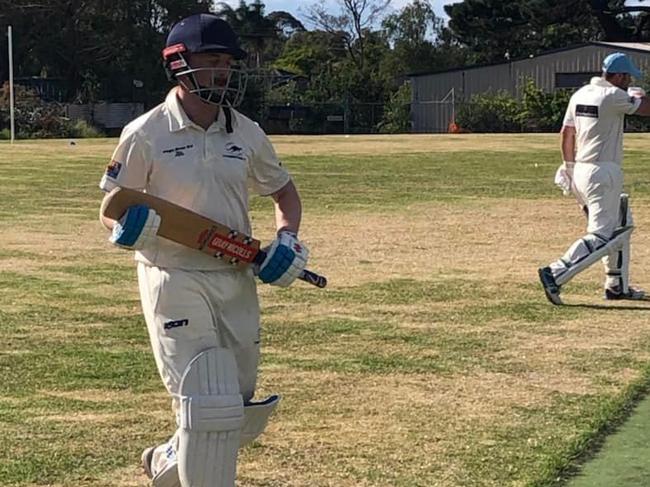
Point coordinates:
[(295, 7)]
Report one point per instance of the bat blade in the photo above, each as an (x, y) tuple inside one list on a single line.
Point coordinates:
[(195, 231), (185, 227)]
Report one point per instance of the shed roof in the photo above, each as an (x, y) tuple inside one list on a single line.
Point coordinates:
[(630, 46), (634, 46)]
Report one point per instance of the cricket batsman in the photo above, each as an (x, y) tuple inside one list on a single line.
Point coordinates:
[(196, 150), (592, 152)]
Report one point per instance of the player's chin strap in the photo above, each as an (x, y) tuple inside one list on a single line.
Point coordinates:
[(228, 114)]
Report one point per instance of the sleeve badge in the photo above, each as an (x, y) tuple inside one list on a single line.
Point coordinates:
[(113, 169)]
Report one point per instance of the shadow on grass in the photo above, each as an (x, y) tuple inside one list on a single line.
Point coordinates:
[(609, 307)]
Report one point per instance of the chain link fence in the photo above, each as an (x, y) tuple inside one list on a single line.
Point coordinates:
[(321, 118)]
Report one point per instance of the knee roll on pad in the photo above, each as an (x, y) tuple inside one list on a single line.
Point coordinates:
[(211, 415)]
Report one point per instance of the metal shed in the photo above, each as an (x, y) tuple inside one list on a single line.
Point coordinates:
[(434, 95)]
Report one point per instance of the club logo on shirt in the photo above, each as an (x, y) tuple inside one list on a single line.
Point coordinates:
[(178, 151), (113, 169), (233, 151), (590, 111)]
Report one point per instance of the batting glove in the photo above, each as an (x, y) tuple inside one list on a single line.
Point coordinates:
[(636, 91), (136, 229), (285, 260), (564, 176)]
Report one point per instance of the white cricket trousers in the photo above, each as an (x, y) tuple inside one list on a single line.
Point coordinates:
[(188, 312), (599, 187)]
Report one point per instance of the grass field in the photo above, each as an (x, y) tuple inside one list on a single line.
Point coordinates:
[(432, 359)]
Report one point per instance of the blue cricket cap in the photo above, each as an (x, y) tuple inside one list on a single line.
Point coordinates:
[(620, 63)]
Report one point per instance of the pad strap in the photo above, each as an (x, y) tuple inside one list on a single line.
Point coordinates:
[(211, 413)]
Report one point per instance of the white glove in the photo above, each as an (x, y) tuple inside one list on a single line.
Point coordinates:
[(564, 176), (636, 91), (285, 260), (136, 229)]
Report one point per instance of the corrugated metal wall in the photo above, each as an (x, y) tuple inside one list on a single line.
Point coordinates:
[(431, 117), (585, 59), (435, 117)]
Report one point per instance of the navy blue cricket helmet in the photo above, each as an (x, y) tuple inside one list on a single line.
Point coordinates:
[(205, 33)]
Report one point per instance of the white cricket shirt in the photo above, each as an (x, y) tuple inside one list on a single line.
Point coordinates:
[(597, 111), (208, 171)]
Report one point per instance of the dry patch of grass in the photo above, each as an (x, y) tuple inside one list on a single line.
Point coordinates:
[(489, 239)]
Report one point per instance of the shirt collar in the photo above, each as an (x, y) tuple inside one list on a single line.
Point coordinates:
[(602, 82), (178, 119)]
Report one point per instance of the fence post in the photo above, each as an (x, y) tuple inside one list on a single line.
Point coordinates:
[(11, 85), (346, 114)]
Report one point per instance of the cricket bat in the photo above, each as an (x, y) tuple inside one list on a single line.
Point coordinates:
[(195, 231)]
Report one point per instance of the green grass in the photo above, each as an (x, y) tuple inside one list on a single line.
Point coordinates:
[(448, 375), (623, 460)]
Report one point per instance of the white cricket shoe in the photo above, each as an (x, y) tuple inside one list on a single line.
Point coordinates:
[(147, 456)]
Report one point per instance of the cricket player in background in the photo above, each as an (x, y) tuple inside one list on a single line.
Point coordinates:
[(202, 314), (592, 152)]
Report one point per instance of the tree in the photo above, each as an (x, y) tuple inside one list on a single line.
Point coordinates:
[(488, 28), (555, 25), (286, 24), (260, 32), (355, 18), (416, 24), (494, 30), (619, 24), (309, 53), (418, 39), (98, 48)]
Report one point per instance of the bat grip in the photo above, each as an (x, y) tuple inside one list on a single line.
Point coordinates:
[(313, 278), (306, 275)]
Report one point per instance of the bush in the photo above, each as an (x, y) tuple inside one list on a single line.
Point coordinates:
[(543, 112), (490, 112), (82, 130), (35, 118), (397, 112), (537, 111)]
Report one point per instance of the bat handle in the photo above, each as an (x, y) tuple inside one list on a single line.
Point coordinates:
[(307, 276), (313, 278)]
